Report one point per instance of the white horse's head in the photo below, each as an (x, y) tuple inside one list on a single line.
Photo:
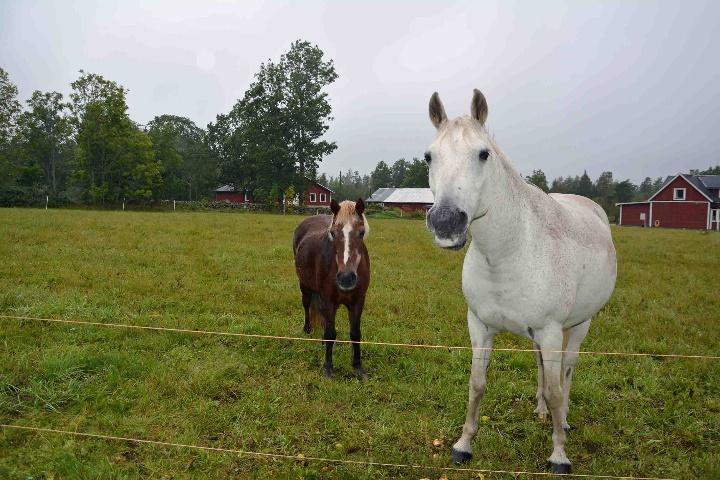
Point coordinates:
[(458, 161)]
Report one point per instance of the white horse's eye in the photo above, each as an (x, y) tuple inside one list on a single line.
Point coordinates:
[(484, 154), (428, 157)]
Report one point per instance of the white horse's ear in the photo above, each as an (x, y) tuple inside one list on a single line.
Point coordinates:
[(479, 107), (437, 111)]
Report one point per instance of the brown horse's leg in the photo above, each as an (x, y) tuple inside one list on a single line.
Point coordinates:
[(329, 335), (355, 312), (306, 301)]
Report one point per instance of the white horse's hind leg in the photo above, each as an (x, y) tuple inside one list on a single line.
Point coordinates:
[(551, 343), (481, 338), (541, 409), (573, 338)]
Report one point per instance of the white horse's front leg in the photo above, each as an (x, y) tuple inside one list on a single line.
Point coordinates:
[(551, 343), (573, 339), (481, 338), (541, 409)]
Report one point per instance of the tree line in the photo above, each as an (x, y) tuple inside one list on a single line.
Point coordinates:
[(605, 190), (86, 148)]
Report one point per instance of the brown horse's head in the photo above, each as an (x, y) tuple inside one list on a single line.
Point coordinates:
[(347, 231)]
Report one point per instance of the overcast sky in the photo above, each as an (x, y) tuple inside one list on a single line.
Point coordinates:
[(628, 86)]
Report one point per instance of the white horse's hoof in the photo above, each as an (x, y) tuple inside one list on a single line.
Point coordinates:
[(560, 467), (460, 457), (543, 416)]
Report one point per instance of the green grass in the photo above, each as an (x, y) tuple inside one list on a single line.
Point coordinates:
[(234, 272)]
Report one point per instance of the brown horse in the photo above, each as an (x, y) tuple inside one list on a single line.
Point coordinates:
[(333, 267)]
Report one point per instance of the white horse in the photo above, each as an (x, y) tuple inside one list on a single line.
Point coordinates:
[(538, 265)]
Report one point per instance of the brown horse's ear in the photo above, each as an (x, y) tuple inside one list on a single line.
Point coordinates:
[(359, 206), (437, 111), (479, 107), (334, 206)]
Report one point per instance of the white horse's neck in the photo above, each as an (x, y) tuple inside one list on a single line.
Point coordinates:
[(505, 195)]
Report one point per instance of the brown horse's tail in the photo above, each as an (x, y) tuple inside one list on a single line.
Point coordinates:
[(316, 316)]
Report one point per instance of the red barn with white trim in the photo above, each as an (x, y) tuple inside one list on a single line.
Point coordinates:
[(684, 201)]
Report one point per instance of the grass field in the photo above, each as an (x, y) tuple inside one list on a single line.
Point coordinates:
[(234, 272)]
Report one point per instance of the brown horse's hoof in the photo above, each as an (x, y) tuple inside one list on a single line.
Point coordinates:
[(563, 468), (362, 374), (307, 329), (327, 371)]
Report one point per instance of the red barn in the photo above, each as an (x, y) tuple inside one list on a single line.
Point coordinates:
[(230, 194), (316, 195), (406, 199), (684, 201)]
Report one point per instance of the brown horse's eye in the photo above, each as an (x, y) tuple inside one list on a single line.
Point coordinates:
[(362, 233)]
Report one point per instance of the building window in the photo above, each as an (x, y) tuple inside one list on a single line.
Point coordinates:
[(715, 215), (322, 198), (679, 194), (312, 198)]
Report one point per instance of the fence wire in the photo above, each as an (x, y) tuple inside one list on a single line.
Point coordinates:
[(363, 342)]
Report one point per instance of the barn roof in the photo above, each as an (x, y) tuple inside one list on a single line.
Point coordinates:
[(402, 195), (710, 181), (226, 188), (380, 195)]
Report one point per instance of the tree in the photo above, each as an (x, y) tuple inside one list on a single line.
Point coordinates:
[(304, 73), (350, 186), (710, 171), (539, 180), (646, 188), (585, 186), (416, 175), (272, 138), (604, 185), (399, 170), (558, 185), (114, 159), (9, 112), (9, 107), (381, 176), (181, 147), (625, 191), (45, 137), (658, 183)]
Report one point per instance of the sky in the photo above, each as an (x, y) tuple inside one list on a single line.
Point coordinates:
[(632, 87)]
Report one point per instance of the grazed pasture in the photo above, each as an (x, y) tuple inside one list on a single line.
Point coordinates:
[(233, 272)]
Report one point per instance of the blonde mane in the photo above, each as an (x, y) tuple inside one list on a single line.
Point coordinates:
[(346, 215)]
